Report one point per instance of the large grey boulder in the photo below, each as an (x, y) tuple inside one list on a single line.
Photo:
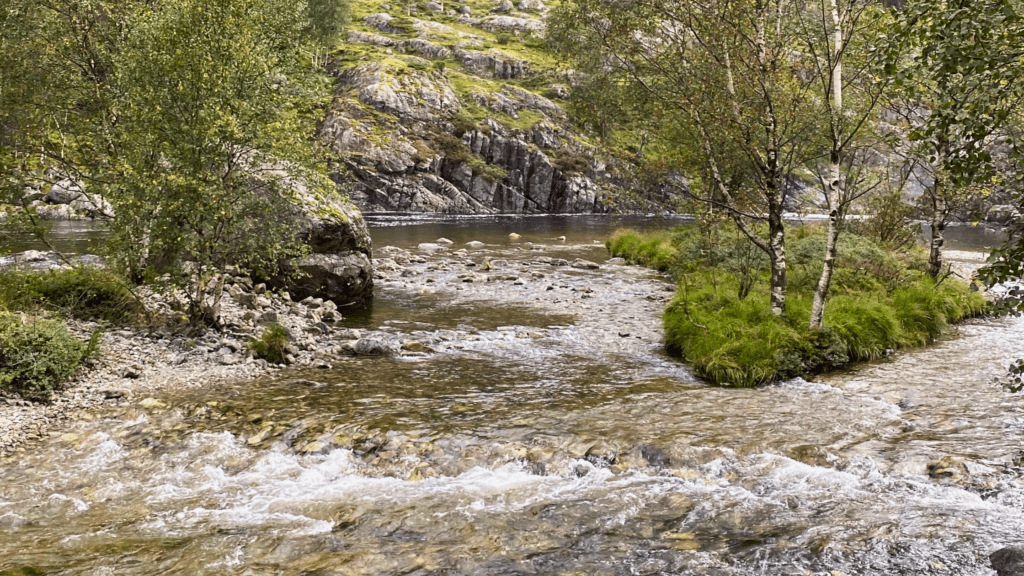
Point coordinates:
[(64, 192), (1002, 214), (339, 267), (343, 278)]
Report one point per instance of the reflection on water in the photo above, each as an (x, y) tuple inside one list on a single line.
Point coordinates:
[(71, 237)]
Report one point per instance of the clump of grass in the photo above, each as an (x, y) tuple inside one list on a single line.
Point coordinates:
[(720, 323), (651, 249), (37, 355), (271, 344), (83, 292)]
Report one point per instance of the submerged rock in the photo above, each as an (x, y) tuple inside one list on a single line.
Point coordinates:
[(1008, 561), (654, 455), (947, 467)]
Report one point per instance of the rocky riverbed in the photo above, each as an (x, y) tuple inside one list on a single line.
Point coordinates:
[(617, 311), (518, 416)]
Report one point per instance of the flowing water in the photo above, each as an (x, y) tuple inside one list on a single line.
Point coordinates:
[(541, 430)]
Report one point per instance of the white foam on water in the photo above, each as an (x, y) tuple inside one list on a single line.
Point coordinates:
[(12, 519), (805, 385), (879, 407), (277, 489), (104, 454), (78, 504)]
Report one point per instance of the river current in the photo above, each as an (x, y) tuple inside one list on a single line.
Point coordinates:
[(539, 430)]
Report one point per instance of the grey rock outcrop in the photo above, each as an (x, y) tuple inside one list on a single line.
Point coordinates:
[(493, 63), (357, 37), (63, 192), (1002, 214), (512, 23), (408, 135)]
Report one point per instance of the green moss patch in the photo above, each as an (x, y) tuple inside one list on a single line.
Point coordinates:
[(719, 320)]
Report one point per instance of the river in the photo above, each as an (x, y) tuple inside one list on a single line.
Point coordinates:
[(542, 430)]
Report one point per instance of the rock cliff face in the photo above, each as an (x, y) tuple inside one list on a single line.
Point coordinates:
[(446, 112)]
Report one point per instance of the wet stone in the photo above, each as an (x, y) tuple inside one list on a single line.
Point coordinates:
[(260, 436), (1008, 561), (601, 454), (946, 467), (152, 403)]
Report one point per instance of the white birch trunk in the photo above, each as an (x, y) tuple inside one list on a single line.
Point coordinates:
[(834, 193)]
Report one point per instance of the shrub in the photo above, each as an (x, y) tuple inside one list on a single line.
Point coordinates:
[(83, 292), (271, 344), (38, 356), (890, 221), (490, 172)]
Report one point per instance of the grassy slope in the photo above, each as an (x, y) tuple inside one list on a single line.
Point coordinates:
[(543, 66)]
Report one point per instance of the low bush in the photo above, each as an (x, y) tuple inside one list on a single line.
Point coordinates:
[(83, 292), (720, 323), (37, 356), (271, 344)]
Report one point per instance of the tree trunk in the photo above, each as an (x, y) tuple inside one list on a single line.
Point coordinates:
[(940, 212), (833, 189), (825, 281), (777, 256)]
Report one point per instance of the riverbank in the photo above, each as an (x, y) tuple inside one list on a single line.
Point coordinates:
[(135, 362), (543, 280)]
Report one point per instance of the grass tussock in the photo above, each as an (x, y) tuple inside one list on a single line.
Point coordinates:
[(271, 346), (719, 320), (654, 250)]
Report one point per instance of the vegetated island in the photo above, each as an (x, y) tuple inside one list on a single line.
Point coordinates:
[(720, 322)]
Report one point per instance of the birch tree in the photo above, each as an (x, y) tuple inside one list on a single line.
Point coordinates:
[(844, 34), (957, 88), (726, 77)]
